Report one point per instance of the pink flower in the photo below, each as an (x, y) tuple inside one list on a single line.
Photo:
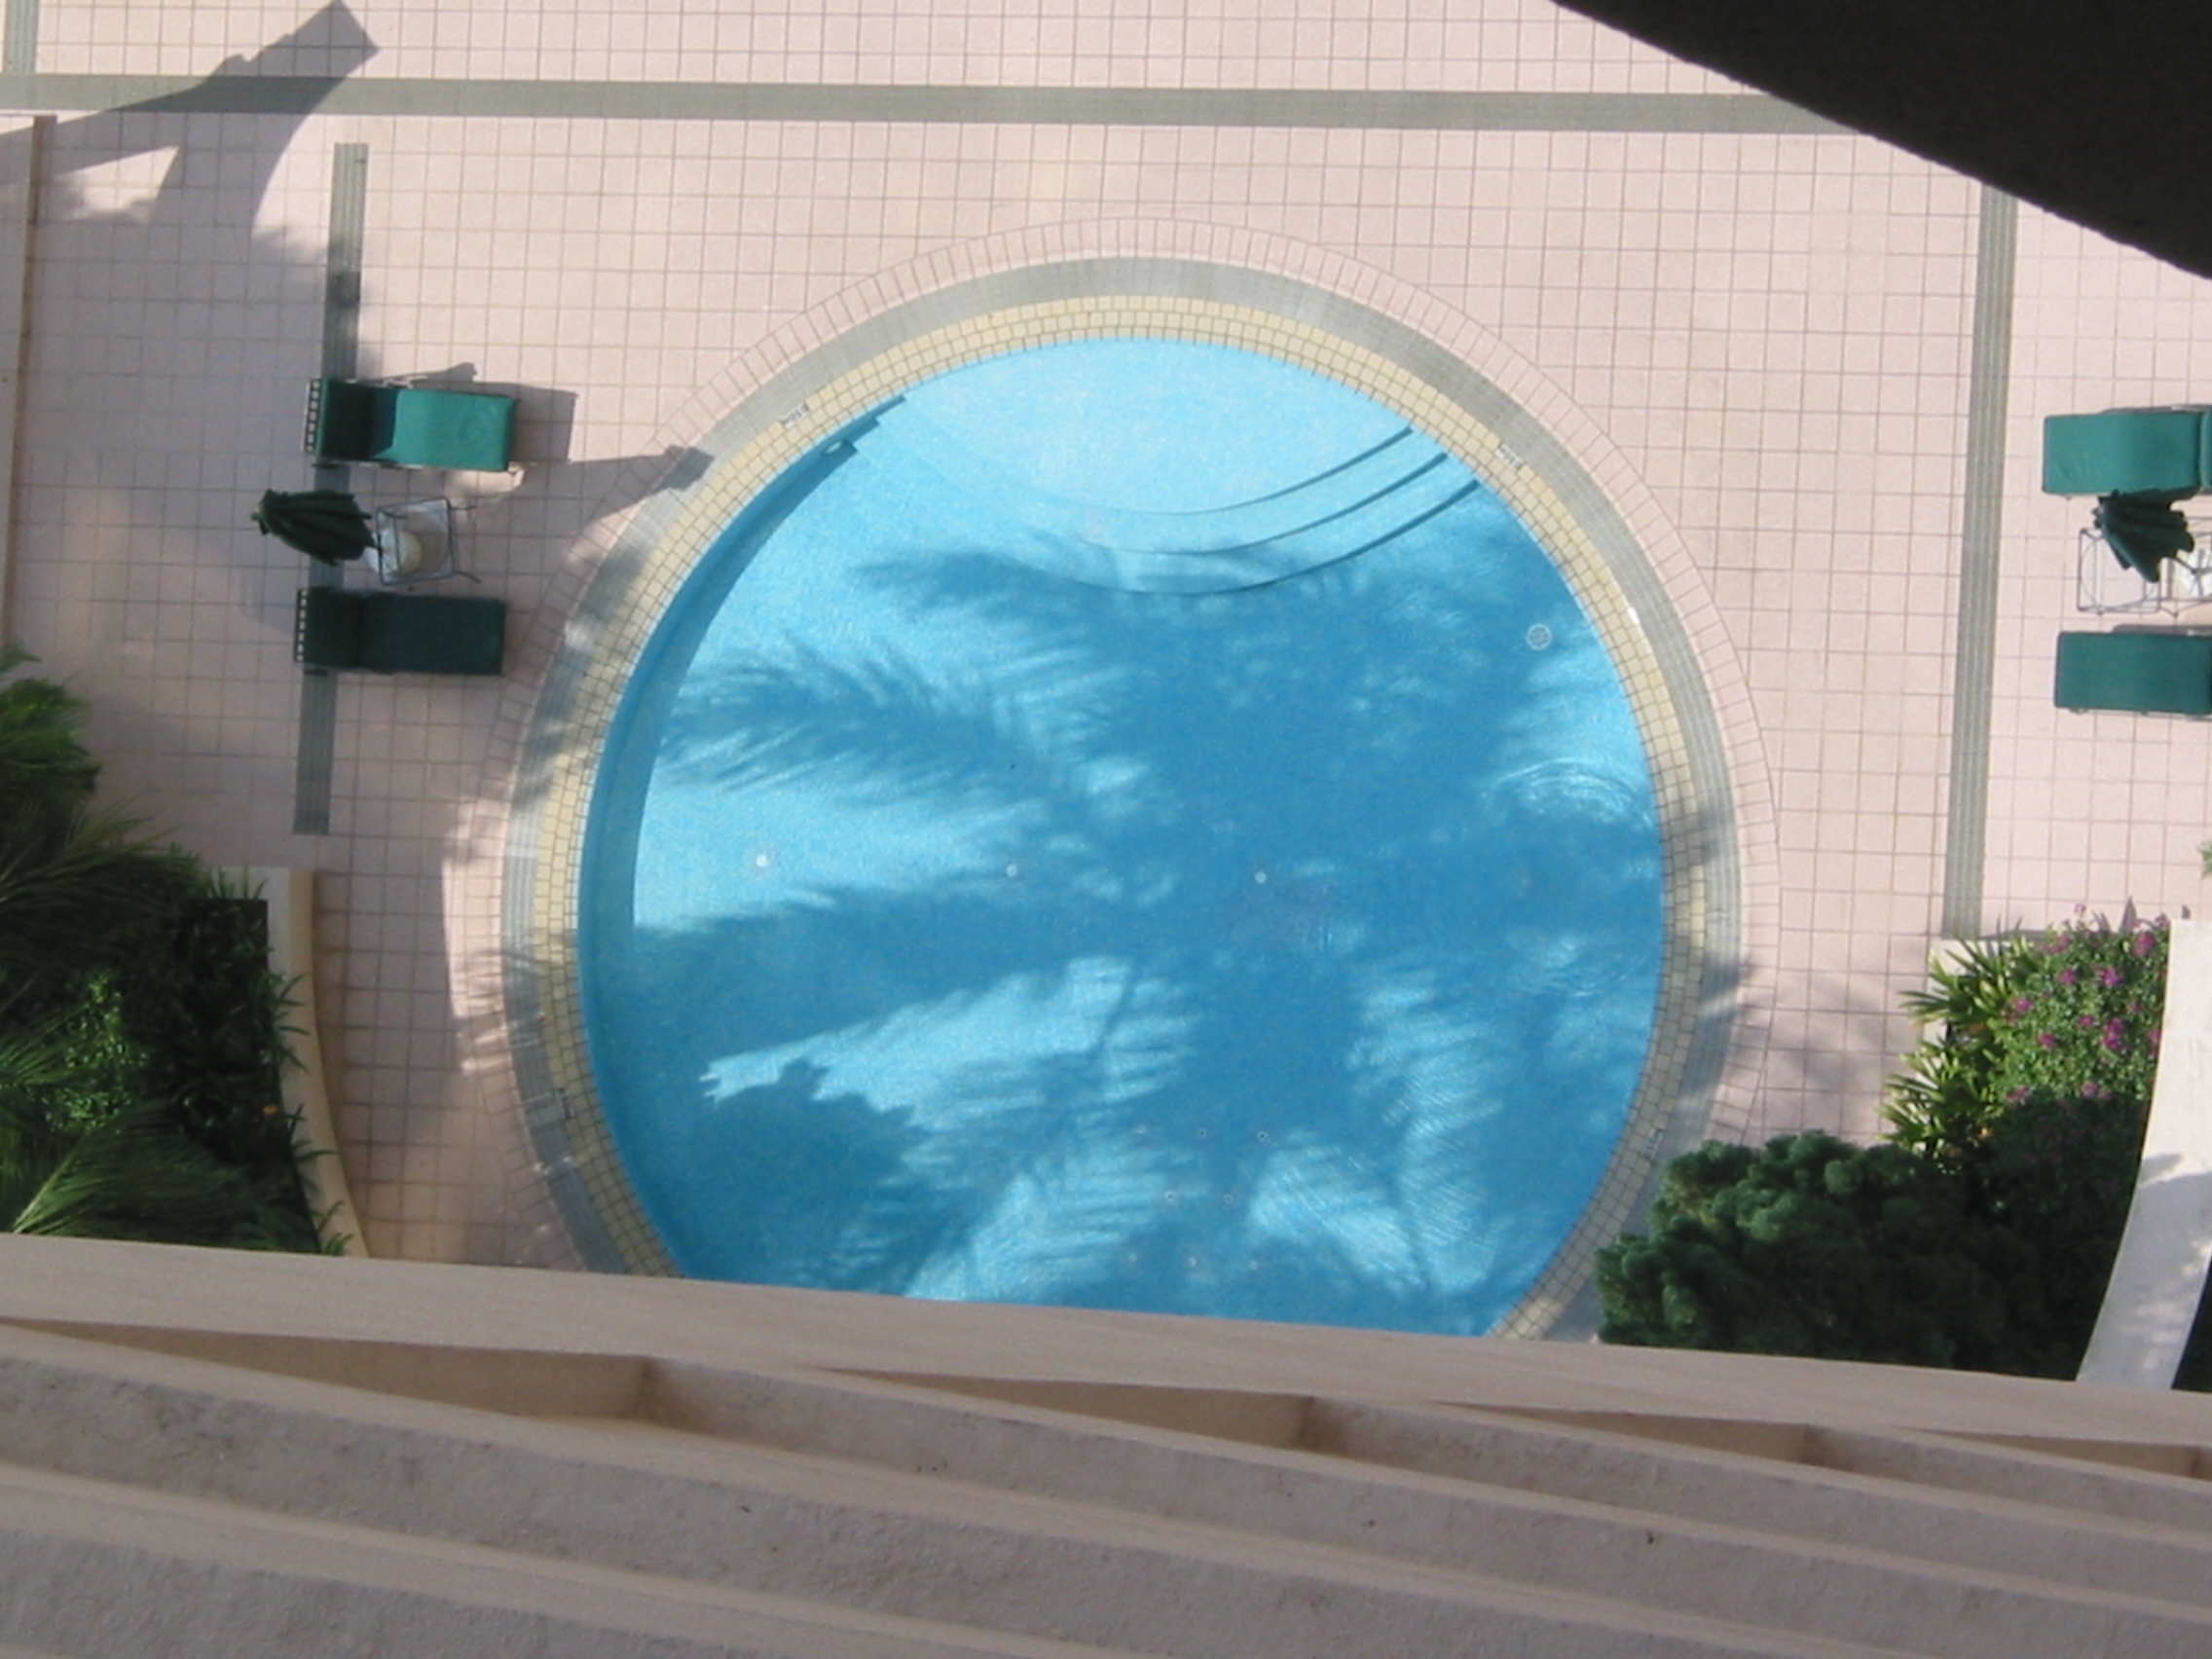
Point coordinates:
[(2021, 1005), (2066, 976), (2046, 1038), (2108, 976), (2146, 942)]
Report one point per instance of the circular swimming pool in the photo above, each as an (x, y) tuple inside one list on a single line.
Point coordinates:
[(1127, 823)]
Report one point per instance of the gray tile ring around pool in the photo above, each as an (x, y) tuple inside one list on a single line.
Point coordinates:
[(1532, 470)]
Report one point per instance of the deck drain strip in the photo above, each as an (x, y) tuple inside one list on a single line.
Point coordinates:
[(313, 773), (18, 54), (1388, 110), (1966, 830)]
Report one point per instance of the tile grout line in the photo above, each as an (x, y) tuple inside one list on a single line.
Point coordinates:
[(317, 761), (1966, 830)]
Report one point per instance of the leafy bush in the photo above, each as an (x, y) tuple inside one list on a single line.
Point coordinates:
[(140, 1038), (1947, 1103)]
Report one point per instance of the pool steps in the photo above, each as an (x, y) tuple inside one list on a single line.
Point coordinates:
[(1347, 510)]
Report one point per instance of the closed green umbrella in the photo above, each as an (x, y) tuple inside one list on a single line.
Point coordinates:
[(2143, 529), (328, 525)]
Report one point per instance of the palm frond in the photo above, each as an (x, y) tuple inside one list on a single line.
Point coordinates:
[(46, 774), (133, 1178), (59, 902), (878, 726)]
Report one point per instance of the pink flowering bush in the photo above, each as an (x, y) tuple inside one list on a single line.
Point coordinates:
[(2095, 993), (2069, 1016)]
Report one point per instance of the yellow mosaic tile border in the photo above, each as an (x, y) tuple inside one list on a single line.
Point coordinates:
[(649, 583)]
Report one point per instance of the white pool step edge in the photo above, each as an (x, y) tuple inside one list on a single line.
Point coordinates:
[(2157, 1279)]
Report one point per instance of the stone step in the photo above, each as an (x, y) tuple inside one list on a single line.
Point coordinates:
[(103, 1571), (1900, 1496), (1141, 1537), (1347, 510)]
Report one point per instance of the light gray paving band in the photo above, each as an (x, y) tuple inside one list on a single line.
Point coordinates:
[(19, 50), (1989, 373), (341, 265), (317, 762), (1040, 106)]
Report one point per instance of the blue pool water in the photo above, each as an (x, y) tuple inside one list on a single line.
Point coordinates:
[(1128, 824)]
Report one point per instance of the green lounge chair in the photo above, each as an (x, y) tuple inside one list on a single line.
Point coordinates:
[(2151, 671), (393, 633), (2139, 464), (410, 426), (2128, 452)]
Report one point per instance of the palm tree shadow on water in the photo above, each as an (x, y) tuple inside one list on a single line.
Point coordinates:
[(1291, 955)]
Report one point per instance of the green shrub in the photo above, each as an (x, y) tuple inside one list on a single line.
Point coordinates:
[(2059, 1172), (1946, 1103), (1813, 1248), (140, 1029)]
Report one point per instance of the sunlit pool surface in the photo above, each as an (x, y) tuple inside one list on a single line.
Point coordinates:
[(1129, 825)]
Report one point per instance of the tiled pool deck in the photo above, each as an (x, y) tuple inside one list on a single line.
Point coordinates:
[(1807, 371)]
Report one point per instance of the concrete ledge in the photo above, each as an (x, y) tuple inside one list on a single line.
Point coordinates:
[(205, 1453), (290, 897), (2157, 1279)]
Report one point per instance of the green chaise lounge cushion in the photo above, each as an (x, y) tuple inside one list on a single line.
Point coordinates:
[(2146, 673), (392, 633), (415, 426), (2123, 451)]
